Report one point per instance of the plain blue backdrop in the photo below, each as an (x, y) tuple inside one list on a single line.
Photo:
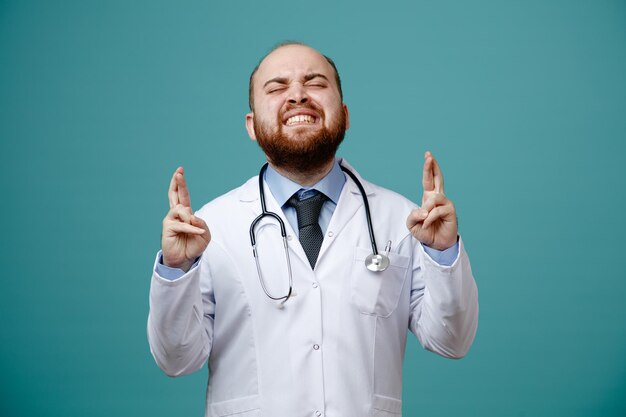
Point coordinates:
[(523, 103)]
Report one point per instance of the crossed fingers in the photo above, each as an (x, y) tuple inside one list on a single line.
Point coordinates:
[(432, 177), (178, 193), (180, 218)]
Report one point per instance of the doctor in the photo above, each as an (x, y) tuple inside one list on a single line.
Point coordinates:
[(326, 336)]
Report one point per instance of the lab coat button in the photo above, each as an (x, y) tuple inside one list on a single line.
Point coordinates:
[(316, 346), (315, 285), (289, 237), (330, 233), (318, 414)]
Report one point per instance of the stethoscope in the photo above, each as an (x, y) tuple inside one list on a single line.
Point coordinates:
[(375, 262)]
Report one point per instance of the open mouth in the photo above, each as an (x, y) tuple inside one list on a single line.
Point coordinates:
[(301, 119)]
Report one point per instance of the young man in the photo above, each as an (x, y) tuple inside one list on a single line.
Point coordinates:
[(313, 324)]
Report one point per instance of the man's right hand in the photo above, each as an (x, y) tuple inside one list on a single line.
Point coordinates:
[(185, 236)]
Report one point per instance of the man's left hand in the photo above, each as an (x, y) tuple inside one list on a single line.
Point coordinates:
[(434, 224)]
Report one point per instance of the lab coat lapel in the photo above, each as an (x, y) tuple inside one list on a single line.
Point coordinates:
[(349, 203), (249, 195)]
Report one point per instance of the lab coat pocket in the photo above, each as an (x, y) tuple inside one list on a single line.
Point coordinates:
[(242, 407), (377, 292), (386, 406)]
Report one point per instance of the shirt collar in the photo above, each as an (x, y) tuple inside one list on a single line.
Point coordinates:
[(283, 188)]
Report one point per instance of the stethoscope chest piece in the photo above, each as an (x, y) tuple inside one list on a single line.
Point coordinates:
[(376, 262)]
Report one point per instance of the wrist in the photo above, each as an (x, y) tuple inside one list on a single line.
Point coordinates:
[(185, 266), (443, 245)]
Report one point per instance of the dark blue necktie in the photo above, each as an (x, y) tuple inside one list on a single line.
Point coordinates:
[(308, 212)]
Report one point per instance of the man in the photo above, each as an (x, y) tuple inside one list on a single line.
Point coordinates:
[(309, 330)]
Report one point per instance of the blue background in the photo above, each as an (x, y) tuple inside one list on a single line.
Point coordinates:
[(523, 103)]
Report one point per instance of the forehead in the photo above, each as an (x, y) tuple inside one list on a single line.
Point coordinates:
[(293, 61)]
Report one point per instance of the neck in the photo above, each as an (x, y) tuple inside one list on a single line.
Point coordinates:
[(305, 178)]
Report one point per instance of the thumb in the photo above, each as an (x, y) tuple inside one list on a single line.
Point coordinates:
[(417, 216), (198, 222)]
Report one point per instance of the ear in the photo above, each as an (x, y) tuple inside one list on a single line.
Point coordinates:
[(347, 113), (250, 125)]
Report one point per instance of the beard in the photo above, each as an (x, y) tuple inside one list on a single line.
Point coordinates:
[(302, 150)]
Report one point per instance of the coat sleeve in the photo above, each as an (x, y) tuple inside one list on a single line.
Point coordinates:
[(444, 304), (180, 322)]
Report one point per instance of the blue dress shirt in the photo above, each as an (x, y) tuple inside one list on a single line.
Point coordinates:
[(283, 188)]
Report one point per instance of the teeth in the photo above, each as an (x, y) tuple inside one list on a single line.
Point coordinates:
[(300, 118)]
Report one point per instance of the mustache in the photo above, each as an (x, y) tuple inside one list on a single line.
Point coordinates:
[(293, 106)]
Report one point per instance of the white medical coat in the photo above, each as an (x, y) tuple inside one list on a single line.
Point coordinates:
[(337, 346)]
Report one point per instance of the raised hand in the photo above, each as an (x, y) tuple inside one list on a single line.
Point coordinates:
[(434, 224), (185, 236)]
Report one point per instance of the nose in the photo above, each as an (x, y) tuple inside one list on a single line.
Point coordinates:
[(297, 94)]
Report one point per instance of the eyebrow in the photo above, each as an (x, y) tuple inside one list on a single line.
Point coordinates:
[(311, 76), (283, 80), (279, 80)]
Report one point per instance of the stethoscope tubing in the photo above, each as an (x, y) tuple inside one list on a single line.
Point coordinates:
[(373, 261), (367, 207)]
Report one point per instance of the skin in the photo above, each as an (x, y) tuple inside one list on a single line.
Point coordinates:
[(435, 222), (184, 236), (290, 76)]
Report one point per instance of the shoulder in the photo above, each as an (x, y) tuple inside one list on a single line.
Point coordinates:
[(230, 201), (389, 199), (378, 195)]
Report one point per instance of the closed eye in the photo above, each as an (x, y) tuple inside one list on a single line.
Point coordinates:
[(275, 84)]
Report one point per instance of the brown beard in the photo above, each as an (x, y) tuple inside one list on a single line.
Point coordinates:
[(306, 152)]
